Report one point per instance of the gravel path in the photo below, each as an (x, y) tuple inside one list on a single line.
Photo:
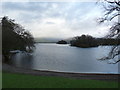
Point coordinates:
[(95, 76)]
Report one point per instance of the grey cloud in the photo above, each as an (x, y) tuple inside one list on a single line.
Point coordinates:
[(78, 17), (50, 23)]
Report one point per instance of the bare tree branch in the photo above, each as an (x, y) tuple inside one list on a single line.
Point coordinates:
[(112, 11)]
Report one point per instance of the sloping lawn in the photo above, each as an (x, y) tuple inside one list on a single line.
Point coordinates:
[(11, 80)]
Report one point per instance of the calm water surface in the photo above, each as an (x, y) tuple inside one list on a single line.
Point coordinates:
[(64, 58)]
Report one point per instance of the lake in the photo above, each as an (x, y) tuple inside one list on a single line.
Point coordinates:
[(65, 58)]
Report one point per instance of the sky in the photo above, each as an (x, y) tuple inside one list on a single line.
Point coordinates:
[(57, 19)]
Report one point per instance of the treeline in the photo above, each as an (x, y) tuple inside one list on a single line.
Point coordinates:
[(108, 41), (86, 41)]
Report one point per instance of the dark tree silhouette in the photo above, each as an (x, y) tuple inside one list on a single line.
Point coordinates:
[(112, 13), (62, 42), (15, 37), (84, 41)]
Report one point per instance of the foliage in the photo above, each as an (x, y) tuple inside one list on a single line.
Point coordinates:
[(84, 41), (15, 37)]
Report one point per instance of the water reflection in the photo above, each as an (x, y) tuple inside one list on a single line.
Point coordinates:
[(22, 60)]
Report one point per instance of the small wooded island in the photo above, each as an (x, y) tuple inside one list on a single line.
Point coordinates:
[(62, 42), (84, 41)]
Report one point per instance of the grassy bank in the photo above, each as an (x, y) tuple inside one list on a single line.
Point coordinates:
[(29, 81)]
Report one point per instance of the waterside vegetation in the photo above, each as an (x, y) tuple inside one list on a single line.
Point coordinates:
[(15, 37), (86, 41)]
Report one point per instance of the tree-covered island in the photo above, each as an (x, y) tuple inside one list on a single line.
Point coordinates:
[(86, 41)]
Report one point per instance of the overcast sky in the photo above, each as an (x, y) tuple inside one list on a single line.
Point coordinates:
[(57, 19)]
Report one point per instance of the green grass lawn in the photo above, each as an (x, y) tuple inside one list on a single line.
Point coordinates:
[(29, 81)]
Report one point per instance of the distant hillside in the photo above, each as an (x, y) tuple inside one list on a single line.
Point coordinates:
[(46, 40)]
